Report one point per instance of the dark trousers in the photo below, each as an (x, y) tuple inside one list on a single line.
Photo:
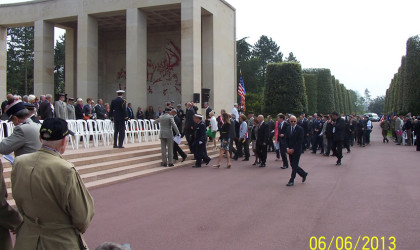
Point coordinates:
[(351, 139), (244, 145), (337, 149), (178, 150), (418, 142), (119, 133), (232, 150), (329, 145), (346, 144), (294, 162), (317, 141), (367, 136), (307, 141), (283, 152), (262, 152), (200, 154), (239, 151), (360, 138)]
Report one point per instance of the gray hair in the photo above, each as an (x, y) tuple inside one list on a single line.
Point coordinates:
[(48, 96), (22, 114), (113, 246), (31, 98), (25, 98)]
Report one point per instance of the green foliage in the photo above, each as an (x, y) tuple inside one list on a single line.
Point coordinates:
[(412, 76), (325, 94), (254, 102), (59, 61), (20, 60), (291, 58), (377, 105), (266, 51), (285, 91), (311, 85), (336, 101)]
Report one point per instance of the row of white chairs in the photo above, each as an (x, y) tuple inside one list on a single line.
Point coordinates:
[(100, 132), (405, 138)]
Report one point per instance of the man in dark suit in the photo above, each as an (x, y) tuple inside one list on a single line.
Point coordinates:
[(338, 136), (130, 111), (118, 112), (281, 138), (316, 130), (304, 124), (176, 147), (189, 124), (417, 133), (271, 126), (199, 143), (45, 109), (208, 110), (78, 109), (100, 110), (262, 140), (294, 140)]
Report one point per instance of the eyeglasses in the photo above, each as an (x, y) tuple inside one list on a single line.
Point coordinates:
[(293, 121)]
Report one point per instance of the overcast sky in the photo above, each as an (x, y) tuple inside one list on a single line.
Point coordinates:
[(361, 41)]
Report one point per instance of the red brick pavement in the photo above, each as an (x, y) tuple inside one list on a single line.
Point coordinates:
[(376, 192)]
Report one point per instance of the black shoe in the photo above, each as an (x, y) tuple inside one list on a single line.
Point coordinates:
[(207, 162), (194, 159), (262, 165), (348, 151), (115, 146), (175, 158), (284, 167), (235, 158), (290, 184), (304, 177), (338, 163), (326, 155), (171, 165), (183, 158), (246, 159), (163, 164), (195, 166), (254, 164), (313, 152), (121, 147)]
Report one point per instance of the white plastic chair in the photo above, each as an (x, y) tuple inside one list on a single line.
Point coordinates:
[(81, 132)]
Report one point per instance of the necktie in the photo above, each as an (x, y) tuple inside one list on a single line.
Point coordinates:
[(293, 129)]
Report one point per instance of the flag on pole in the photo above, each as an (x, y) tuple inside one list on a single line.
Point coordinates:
[(242, 92)]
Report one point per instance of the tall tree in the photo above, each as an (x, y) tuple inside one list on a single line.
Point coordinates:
[(411, 94), (285, 91), (377, 105), (266, 51), (20, 60), (291, 58), (368, 98), (311, 85), (59, 61)]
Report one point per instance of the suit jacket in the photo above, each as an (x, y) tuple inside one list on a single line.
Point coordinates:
[(47, 187), (118, 110), (71, 112), (189, 119), (283, 130), (45, 110), (23, 140), (263, 134), (60, 110), (295, 140), (100, 112), (200, 134), (79, 112), (9, 217), (35, 119), (167, 125), (130, 113), (178, 123), (339, 129)]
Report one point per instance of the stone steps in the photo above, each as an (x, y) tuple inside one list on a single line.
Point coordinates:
[(105, 166)]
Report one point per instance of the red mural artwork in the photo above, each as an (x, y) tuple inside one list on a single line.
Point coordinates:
[(121, 75), (163, 73)]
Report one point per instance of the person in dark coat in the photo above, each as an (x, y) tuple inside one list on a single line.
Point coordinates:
[(78, 109), (329, 136), (199, 143), (45, 110), (176, 148), (417, 133), (304, 124), (281, 138), (338, 136), (189, 124), (130, 111), (100, 110), (118, 112), (294, 140), (271, 127), (262, 140)]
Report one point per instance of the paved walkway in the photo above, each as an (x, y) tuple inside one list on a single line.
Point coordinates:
[(376, 192)]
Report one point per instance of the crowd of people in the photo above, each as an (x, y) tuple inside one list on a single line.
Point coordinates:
[(58, 207)]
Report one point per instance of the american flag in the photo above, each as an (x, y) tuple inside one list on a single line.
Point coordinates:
[(242, 92)]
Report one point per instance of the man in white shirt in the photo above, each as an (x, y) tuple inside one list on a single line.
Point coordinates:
[(235, 111)]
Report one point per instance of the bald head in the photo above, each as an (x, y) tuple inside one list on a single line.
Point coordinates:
[(292, 118), (260, 118)]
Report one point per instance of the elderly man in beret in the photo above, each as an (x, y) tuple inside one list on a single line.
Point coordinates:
[(50, 195), (25, 136)]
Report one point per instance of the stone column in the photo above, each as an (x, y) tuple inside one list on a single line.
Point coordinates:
[(87, 57), (44, 58), (70, 62), (208, 56), (190, 49), (136, 58), (3, 61)]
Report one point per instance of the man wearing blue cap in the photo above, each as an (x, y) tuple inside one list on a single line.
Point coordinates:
[(25, 136)]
